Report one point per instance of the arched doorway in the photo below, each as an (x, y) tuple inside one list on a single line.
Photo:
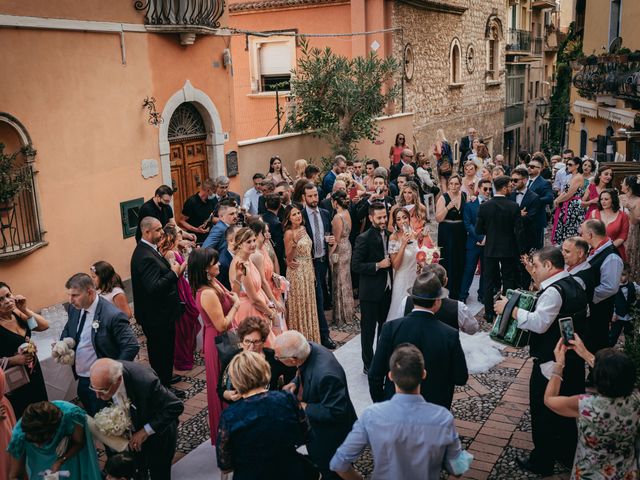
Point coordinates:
[(188, 153)]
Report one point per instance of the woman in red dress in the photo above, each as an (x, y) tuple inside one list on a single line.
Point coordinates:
[(217, 307), (601, 182), (616, 221)]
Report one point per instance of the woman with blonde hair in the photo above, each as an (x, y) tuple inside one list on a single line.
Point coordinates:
[(258, 437), (299, 167)]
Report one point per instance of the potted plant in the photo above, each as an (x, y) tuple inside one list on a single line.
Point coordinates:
[(12, 180)]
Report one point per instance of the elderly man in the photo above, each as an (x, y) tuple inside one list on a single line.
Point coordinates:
[(251, 199), (466, 143), (406, 158), (339, 166), (197, 211), (499, 162), (227, 215), (155, 298), (409, 437), (153, 410), (338, 186), (112, 338), (321, 387)]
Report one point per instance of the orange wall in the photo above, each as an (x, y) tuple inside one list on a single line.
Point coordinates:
[(97, 10), (83, 110)]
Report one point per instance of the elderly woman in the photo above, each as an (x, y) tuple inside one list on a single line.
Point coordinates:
[(253, 333), (608, 421), (38, 442), (258, 436)]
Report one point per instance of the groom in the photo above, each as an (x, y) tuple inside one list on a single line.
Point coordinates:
[(370, 260), (438, 342)]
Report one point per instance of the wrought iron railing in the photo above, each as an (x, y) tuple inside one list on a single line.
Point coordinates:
[(518, 40), (19, 222), (615, 75), (513, 115), (198, 13)]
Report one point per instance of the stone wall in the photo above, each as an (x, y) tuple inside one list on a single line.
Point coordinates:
[(435, 103)]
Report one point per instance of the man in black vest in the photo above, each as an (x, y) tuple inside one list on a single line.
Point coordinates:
[(606, 268), (561, 295)]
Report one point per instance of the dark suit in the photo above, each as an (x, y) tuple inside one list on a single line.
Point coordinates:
[(397, 169), (224, 261), (277, 237), (362, 211), (157, 306), (326, 205), (374, 290), (113, 339), (497, 220), (543, 189), (465, 148), (473, 251), (329, 408), (320, 267), (443, 357), (152, 404), (527, 231)]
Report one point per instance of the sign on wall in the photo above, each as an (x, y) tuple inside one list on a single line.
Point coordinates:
[(232, 163)]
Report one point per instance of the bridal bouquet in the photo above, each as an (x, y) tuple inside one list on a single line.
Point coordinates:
[(29, 347), (113, 421), (62, 351), (427, 256)]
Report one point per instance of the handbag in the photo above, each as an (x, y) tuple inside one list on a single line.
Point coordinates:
[(16, 377), (227, 344), (505, 328)]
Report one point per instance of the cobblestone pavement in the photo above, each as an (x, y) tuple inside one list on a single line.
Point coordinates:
[(491, 413)]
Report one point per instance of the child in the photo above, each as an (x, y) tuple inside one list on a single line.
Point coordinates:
[(625, 301), (121, 466)]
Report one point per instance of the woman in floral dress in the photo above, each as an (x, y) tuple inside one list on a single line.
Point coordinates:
[(569, 213), (608, 421)]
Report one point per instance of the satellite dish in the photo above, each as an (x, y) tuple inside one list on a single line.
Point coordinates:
[(409, 63), (615, 45)]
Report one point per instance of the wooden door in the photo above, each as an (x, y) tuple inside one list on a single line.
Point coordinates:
[(189, 169)]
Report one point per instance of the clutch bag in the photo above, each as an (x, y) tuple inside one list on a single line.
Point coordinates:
[(16, 377), (505, 328)]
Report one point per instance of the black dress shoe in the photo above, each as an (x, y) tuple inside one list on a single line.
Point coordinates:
[(328, 343), (176, 379), (181, 394), (527, 464)]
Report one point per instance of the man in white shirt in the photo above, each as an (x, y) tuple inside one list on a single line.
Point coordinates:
[(99, 329), (251, 198), (561, 296), (561, 177)]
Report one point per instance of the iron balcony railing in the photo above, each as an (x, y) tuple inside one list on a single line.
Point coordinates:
[(513, 115), (614, 75), (195, 13), (518, 41), (20, 230)]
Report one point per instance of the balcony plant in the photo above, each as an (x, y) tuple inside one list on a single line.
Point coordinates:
[(12, 179)]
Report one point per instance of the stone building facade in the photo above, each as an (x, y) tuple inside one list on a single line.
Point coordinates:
[(455, 75)]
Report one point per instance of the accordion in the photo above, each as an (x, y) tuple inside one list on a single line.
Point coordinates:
[(505, 329)]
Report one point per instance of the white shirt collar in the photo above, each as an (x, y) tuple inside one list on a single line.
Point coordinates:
[(92, 308), (155, 247), (311, 210), (533, 179), (554, 278), (521, 192)]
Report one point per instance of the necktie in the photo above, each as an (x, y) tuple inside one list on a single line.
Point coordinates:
[(83, 318), (317, 239), (529, 183)]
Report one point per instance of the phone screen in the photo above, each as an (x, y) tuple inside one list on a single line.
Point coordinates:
[(566, 329)]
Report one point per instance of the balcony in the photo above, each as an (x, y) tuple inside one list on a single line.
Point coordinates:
[(615, 76), (536, 45), (542, 4), (186, 17), (513, 115), (518, 41)]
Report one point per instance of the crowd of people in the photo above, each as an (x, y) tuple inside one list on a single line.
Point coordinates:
[(265, 274)]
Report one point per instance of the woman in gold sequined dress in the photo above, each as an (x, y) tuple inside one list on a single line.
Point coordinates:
[(302, 312)]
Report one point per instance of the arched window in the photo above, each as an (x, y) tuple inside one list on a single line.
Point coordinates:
[(455, 64), (493, 37)]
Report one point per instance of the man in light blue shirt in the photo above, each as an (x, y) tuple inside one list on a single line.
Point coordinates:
[(409, 437)]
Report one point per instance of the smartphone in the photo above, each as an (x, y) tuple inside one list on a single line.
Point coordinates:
[(566, 329)]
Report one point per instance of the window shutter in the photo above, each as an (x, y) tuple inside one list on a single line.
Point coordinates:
[(275, 58)]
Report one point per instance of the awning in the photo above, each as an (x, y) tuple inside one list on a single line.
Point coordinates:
[(617, 115), (589, 109)]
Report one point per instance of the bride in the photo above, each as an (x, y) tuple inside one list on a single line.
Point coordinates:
[(403, 246)]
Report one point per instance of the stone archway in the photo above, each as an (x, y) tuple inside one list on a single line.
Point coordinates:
[(213, 126)]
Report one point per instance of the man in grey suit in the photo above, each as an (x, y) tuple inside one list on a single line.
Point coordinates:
[(99, 329), (153, 409)]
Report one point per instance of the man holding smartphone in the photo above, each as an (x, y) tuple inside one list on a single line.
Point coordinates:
[(561, 296)]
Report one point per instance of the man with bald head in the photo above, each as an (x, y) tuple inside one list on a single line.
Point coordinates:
[(155, 298), (406, 159), (153, 409)]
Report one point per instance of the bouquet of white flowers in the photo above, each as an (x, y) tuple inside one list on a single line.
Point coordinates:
[(62, 351), (113, 421)]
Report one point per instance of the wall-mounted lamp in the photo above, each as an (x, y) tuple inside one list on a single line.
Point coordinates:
[(155, 118)]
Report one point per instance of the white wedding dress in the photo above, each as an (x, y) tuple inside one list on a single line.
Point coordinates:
[(481, 353), (403, 278)]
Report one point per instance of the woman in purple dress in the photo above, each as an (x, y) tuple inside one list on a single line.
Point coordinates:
[(188, 326), (218, 307)]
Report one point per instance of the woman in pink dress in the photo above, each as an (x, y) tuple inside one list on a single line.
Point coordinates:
[(218, 308), (188, 326), (7, 422), (601, 182), (616, 221), (254, 301)]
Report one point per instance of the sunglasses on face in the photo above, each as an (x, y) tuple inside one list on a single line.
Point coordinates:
[(514, 180), (533, 166), (486, 189)]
